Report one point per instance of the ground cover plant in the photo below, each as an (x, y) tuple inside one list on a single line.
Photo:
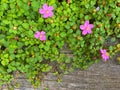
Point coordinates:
[(32, 33)]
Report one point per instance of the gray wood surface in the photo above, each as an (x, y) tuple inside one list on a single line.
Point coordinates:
[(101, 76)]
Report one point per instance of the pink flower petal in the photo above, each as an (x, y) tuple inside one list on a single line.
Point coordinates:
[(50, 14), (91, 25), (104, 54), (46, 11), (105, 57), (84, 32), (82, 27), (42, 32), (45, 6), (37, 34), (45, 15), (89, 31), (41, 11), (102, 51), (86, 23), (40, 35), (43, 38), (87, 28), (98, 8), (50, 8)]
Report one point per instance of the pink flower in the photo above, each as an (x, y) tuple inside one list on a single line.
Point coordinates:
[(46, 11), (68, 1), (104, 54), (98, 8), (40, 35), (86, 28)]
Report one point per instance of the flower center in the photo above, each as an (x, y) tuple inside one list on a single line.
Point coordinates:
[(47, 11), (87, 28), (40, 36), (107, 54)]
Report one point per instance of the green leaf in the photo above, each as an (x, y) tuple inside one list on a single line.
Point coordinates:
[(55, 51), (47, 47), (67, 60), (25, 25), (67, 26), (41, 20), (113, 39), (52, 2), (70, 31), (62, 34), (48, 43), (5, 6), (118, 36), (30, 33), (111, 48), (5, 62), (35, 5), (118, 45)]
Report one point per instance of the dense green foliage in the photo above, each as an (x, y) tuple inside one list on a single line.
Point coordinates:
[(21, 51)]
